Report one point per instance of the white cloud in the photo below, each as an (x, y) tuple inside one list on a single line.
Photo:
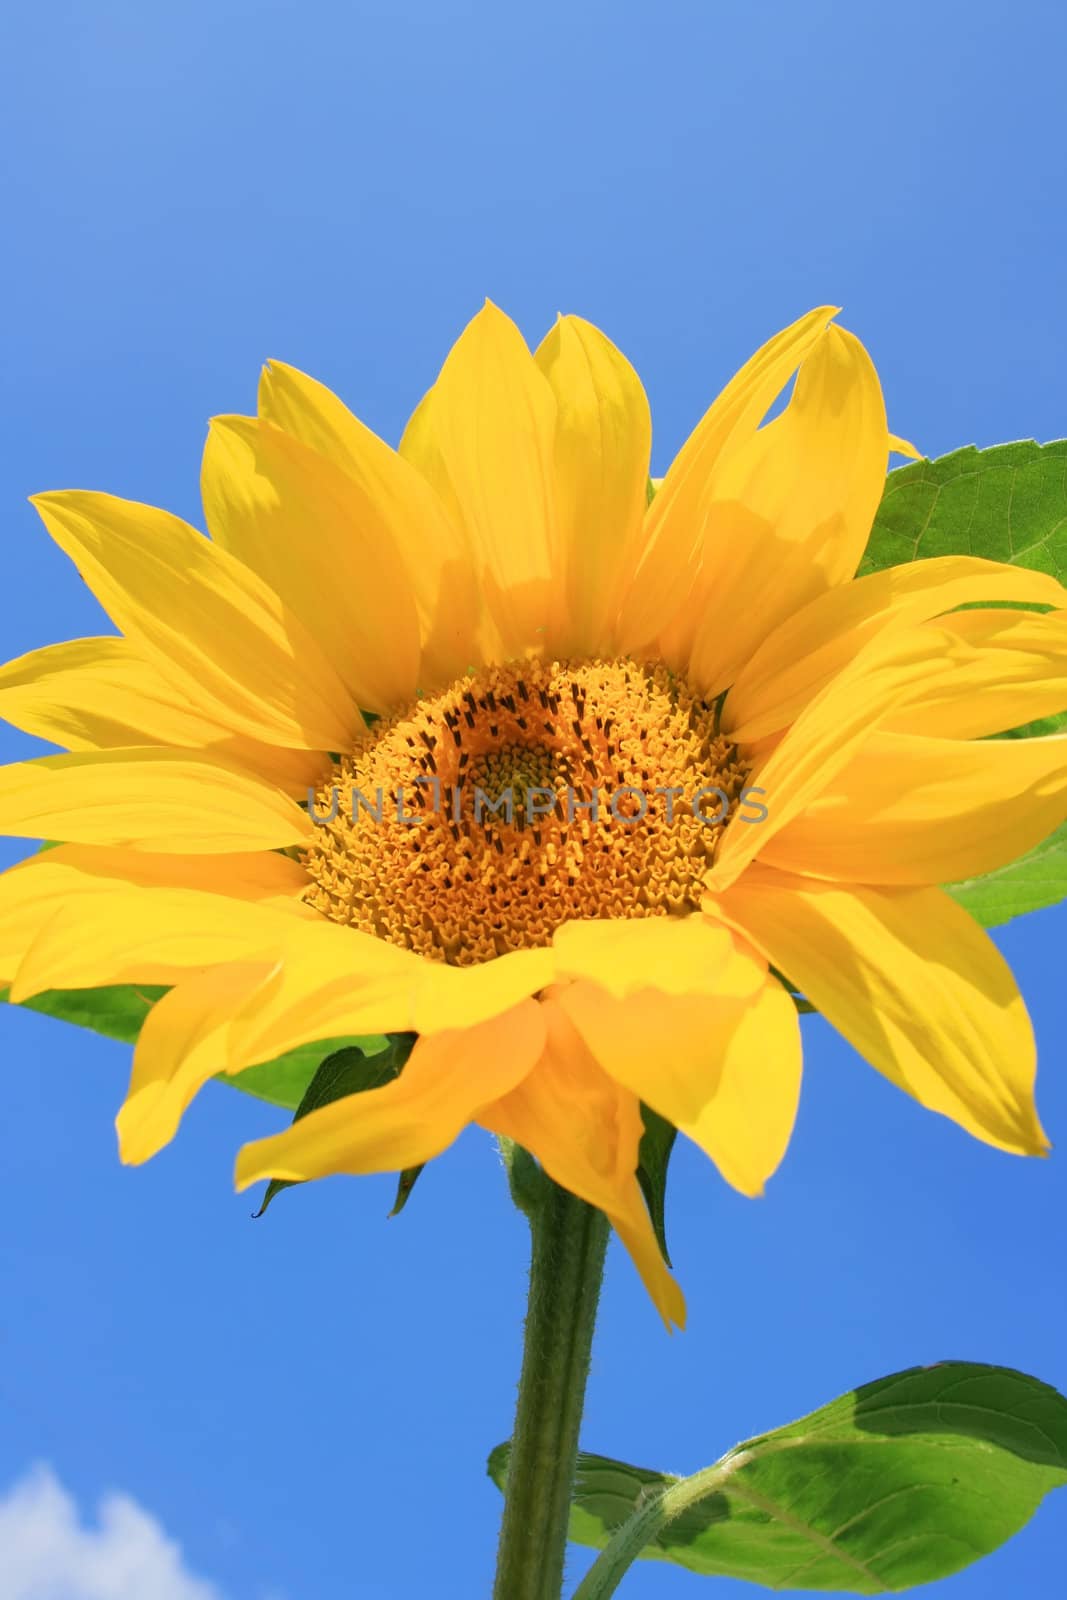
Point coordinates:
[(47, 1553)]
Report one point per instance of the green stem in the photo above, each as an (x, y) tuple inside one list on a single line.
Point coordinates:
[(568, 1243)]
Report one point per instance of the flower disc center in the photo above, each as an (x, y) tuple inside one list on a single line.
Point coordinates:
[(481, 819)]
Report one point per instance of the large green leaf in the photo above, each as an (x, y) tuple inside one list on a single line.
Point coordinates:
[(902, 1481), (1008, 503), (347, 1072)]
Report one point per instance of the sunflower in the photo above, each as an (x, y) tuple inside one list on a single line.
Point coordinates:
[(472, 741)]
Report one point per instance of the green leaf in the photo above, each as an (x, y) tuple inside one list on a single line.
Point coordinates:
[(1006, 504), (350, 1071), (902, 1481), (116, 1010), (653, 1158), (1035, 881)]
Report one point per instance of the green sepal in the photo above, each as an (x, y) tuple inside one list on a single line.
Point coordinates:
[(900, 1482), (653, 1159), (527, 1183), (351, 1071), (286, 1080), (803, 1006)]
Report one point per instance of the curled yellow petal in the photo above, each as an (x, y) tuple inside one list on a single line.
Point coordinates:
[(725, 1072), (585, 1130), (445, 1083), (789, 510), (676, 525)]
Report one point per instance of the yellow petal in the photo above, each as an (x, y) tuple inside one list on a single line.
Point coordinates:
[(725, 1072), (147, 799), (335, 980), (676, 521), (420, 445), (313, 984), (192, 1034), (427, 538), (485, 438), (330, 981), (916, 810), (901, 447), (801, 656), (33, 891), (182, 1043), (585, 1131), (913, 984), (602, 444), (445, 1083), (209, 624), (789, 510), (146, 935), (324, 546), (673, 955), (1010, 668), (456, 997), (827, 735), (98, 694)]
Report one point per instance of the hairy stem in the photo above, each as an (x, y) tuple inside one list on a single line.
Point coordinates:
[(569, 1239)]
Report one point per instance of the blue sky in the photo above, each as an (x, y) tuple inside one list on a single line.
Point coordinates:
[(305, 1403)]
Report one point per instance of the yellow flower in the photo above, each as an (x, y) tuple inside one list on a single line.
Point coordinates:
[(501, 599)]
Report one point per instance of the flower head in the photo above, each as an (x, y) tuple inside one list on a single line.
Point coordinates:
[(471, 741)]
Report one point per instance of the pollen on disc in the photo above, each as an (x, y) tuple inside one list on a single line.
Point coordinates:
[(481, 819)]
